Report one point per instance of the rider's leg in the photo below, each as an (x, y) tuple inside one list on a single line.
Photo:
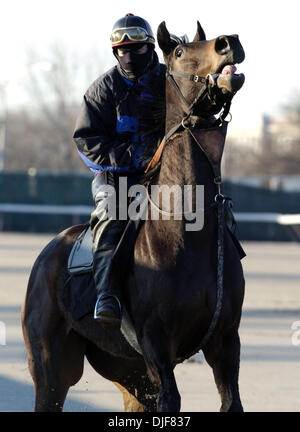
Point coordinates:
[(107, 231)]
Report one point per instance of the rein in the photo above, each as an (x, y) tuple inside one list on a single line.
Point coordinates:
[(219, 201), (209, 82)]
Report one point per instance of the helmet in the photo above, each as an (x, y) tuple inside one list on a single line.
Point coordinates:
[(131, 29)]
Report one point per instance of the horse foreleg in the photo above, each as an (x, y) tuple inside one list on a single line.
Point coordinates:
[(223, 355), (161, 374), (168, 398)]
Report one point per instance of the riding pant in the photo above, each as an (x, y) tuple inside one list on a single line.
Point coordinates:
[(107, 230)]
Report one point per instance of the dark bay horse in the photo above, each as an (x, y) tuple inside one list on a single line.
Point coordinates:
[(173, 286)]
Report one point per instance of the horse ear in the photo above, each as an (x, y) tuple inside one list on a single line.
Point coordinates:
[(200, 35), (164, 39)]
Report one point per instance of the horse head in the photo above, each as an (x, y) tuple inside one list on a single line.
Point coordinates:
[(201, 64)]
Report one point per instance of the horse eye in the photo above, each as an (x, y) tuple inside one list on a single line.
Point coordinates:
[(179, 53)]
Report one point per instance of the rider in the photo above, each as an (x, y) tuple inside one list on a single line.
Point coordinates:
[(118, 128)]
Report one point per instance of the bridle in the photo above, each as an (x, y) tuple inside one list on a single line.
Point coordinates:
[(208, 89)]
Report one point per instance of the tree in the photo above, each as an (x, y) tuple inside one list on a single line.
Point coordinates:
[(40, 135), (278, 152)]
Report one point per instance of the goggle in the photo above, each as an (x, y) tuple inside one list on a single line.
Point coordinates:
[(136, 34)]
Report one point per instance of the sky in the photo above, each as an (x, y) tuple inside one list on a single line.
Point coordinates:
[(268, 31)]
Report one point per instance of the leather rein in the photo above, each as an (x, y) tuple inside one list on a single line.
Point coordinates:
[(209, 84)]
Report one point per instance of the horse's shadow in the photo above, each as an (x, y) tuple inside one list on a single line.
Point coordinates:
[(17, 396)]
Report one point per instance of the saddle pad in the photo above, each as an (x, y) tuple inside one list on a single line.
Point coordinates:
[(83, 300), (82, 285), (81, 256), (83, 294)]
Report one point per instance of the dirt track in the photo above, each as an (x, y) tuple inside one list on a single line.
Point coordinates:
[(270, 363)]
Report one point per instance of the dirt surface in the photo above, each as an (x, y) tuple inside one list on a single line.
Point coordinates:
[(270, 362)]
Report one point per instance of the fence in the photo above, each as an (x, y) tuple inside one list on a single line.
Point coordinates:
[(25, 201), (49, 203)]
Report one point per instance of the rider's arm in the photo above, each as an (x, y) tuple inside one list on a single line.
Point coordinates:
[(96, 138)]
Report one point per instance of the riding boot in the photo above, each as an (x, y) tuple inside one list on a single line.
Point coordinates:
[(107, 231), (108, 308)]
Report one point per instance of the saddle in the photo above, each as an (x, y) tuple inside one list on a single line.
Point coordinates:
[(80, 262), (81, 257), (80, 269), (81, 280)]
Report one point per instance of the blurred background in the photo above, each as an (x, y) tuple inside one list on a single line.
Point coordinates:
[(51, 51)]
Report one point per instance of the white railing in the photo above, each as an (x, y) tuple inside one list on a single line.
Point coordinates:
[(46, 209), (282, 219), (291, 221)]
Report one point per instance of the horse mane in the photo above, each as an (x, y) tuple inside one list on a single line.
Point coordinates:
[(176, 40), (156, 115)]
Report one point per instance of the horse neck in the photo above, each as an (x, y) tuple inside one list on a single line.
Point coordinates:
[(184, 163)]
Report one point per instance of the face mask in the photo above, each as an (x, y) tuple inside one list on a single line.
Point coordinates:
[(134, 64)]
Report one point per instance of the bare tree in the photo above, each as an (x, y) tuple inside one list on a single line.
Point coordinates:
[(40, 136), (278, 152)]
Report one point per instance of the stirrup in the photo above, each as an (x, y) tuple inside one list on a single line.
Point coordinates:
[(107, 318)]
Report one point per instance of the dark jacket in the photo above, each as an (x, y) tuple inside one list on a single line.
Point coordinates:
[(121, 122)]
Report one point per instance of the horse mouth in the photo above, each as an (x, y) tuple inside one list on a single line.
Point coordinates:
[(228, 69), (228, 80)]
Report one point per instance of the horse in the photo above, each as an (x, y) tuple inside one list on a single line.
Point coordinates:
[(184, 289)]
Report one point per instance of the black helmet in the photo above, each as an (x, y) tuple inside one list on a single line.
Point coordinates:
[(131, 29)]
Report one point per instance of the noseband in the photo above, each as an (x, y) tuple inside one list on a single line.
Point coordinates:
[(209, 83), (208, 89)]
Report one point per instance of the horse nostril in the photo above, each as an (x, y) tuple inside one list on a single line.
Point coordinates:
[(222, 45)]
